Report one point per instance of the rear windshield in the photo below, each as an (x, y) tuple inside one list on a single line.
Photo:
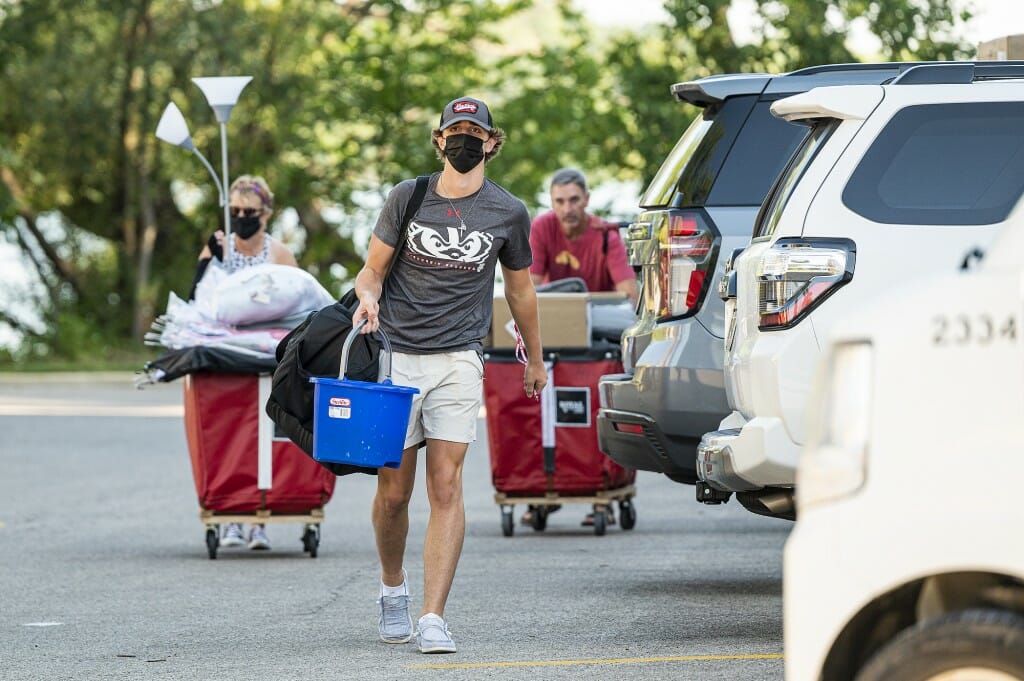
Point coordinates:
[(729, 156), (943, 164), (762, 150)]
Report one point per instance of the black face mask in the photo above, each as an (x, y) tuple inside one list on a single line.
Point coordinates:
[(245, 227), (464, 152)]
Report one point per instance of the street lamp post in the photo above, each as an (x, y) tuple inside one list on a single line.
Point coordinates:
[(222, 94)]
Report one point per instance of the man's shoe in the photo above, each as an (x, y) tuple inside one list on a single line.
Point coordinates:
[(432, 635), (233, 536), (395, 623), (258, 538), (527, 518)]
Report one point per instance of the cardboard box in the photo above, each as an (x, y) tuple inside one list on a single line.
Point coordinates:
[(1007, 47), (564, 322)]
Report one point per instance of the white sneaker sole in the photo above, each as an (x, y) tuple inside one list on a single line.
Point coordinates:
[(259, 545), (433, 648), (231, 543), (395, 641)]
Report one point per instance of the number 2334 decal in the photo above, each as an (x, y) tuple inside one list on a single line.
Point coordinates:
[(977, 329)]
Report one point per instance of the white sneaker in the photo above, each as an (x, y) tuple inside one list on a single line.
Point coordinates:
[(433, 636), (394, 623), (258, 538), (233, 536)]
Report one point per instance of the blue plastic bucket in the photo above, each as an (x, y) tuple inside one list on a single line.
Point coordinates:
[(360, 423)]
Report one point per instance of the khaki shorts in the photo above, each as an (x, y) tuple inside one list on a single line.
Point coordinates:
[(451, 390)]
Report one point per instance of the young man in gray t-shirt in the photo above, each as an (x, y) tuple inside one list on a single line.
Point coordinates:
[(435, 307)]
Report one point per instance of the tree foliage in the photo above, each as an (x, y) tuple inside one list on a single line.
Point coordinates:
[(343, 99), (789, 35)]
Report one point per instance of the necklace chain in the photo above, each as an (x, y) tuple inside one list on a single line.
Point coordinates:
[(462, 222)]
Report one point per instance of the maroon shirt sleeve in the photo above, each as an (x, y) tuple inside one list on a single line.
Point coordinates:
[(540, 243)]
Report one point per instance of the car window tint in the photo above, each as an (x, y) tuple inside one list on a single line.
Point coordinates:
[(760, 153), (768, 220), (943, 164), (661, 189), (686, 176)]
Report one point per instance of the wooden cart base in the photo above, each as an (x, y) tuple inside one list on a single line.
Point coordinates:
[(540, 505), (310, 534)]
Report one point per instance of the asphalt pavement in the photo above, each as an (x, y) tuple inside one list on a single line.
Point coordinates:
[(104, 572)]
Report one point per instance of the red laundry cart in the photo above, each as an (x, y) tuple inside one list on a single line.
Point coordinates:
[(544, 452), (242, 472)]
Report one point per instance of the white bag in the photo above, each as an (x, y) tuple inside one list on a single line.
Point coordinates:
[(261, 293)]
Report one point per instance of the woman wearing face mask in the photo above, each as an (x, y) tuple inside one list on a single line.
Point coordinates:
[(250, 205)]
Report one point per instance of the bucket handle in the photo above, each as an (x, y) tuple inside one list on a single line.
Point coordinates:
[(351, 339)]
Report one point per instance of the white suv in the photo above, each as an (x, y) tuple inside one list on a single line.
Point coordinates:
[(905, 562), (894, 181)]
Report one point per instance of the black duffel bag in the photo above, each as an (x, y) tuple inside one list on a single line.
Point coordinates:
[(313, 348)]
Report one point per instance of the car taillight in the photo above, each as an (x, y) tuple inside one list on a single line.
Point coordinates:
[(688, 247), (795, 275)]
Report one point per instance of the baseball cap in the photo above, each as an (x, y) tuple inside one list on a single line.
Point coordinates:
[(466, 109)]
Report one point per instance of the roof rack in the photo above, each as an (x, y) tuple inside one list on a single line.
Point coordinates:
[(853, 66), (962, 73)]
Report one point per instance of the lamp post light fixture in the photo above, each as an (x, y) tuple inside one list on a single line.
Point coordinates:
[(173, 129), (222, 94)]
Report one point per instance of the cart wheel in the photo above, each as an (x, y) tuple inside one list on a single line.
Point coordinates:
[(600, 520), (508, 523), (314, 543), (212, 542), (540, 518), (627, 514), (311, 539)]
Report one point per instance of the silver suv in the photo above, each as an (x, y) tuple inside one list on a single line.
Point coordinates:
[(698, 209)]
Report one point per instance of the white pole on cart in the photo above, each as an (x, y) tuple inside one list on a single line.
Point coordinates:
[(222, 94), (547, 419), (265, 438)]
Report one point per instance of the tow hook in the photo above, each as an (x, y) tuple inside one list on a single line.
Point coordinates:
[(706, 494)]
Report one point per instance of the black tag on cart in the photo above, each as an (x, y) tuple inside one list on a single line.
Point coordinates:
[(572, 407)]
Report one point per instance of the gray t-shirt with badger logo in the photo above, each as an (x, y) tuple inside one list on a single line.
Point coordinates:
[(440, 294)]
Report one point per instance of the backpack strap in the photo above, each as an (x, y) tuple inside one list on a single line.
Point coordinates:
[(409, 213)]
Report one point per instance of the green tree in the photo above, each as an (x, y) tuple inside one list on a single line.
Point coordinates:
[(343, 100), (697, 42)]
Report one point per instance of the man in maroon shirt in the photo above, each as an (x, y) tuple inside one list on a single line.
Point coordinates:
[(569, 242)]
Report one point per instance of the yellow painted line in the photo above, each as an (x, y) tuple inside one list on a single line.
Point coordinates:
[(614, 660)]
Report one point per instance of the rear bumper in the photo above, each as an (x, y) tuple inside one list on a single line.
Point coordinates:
[(652, 418), (647, 450), (760, 454)]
